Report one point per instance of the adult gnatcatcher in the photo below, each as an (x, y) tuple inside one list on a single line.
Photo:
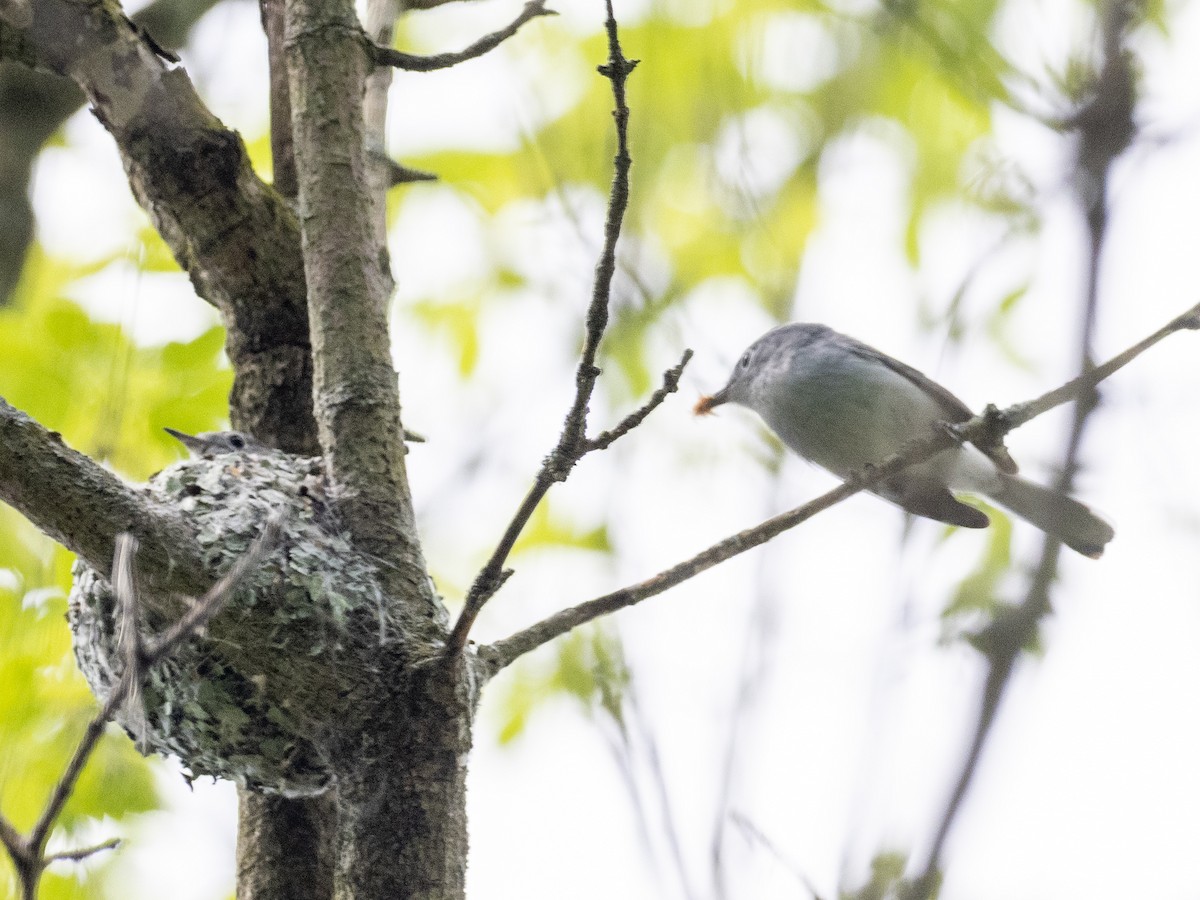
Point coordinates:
[(844, 405)]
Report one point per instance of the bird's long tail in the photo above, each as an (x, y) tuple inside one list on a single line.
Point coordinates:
[(1080, 528)]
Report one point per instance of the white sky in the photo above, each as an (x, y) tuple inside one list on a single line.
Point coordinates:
[(1089, 787)]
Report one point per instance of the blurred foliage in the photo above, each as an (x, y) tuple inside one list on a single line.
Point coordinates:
[(109, 399), (731, 119), (735, 109), (547, 528), (979, 592), (887, 882), (587, 666), (86, 380)]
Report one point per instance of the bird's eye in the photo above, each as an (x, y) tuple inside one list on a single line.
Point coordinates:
[(745, 360), (237, 441)]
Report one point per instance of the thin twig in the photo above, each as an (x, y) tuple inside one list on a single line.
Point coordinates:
[(14, 843), (84, 852), (66, 782), (1023, 412), (754, 834), (670, 385), (410, 62), (29, 852), (572, 442), (129, 635), (397, 174), (983, 430)]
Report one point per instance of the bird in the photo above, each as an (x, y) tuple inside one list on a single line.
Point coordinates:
[(208, 444), (845, 406)]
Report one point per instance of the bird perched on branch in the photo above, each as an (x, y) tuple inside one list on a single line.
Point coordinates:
[(845, 406)]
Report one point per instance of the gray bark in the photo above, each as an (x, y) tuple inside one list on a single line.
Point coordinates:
[(285, 847), (396, 825), (34, 105), (234, 236), (402, 782), (84, 507)]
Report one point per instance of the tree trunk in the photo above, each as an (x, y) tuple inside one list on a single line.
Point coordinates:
[(402, 822), (285, 847)]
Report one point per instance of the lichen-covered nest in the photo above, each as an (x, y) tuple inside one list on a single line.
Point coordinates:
[(254, 698)]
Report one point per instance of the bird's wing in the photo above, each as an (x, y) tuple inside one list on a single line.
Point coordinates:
[(953, 409)]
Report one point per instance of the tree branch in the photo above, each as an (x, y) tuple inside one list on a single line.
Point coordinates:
[(33, 106), (84, 852), (233, 234), (379, 24), (283, 161), (84, 507), (29, 852), (572, 442), (356, 402), (386, 56), (983, 430), (670, 385)]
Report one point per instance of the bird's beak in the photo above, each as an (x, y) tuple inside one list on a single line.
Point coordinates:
[(707, 402), (192, 443)]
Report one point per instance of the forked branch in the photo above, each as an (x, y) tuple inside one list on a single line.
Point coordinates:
[(28, 852), (670, 384), (410, 62), (573, 443), (983, 429)]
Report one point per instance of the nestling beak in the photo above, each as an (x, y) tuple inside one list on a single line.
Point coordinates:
[(195, 444), (704, 406)]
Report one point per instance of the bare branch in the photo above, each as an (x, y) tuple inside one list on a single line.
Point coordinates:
[(12, 839), (84, 507), (379, 29), (29, 852), (500, 654), (670, 385), (193, 177), (409, 62), (572, 442), (398, 174), (355, 398), (84, 852), (1021, 413), (283, 160), (983, 430), (616, 70), (129, 636)]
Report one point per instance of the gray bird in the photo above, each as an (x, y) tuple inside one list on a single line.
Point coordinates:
[(212, 443), (844, 405), (208, 444)]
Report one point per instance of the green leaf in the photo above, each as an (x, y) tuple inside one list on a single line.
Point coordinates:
[(979, 591), (547, 529), (589, 666)]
